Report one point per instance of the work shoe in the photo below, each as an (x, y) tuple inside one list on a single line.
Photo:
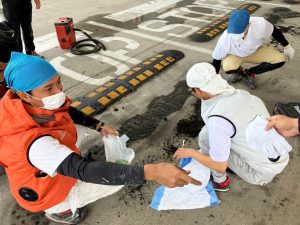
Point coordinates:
[(249, 80), (67, 217), (235, 77), (224, 186)]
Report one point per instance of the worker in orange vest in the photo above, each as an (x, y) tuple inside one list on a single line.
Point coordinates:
[(39, 147)]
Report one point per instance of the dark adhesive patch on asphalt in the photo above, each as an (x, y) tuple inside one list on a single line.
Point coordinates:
[(187, 130), (142, 126), (191, 127), (20, 216), (294, 2), (278, 14)]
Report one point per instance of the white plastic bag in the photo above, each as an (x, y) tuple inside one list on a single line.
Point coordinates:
[(116, 149)]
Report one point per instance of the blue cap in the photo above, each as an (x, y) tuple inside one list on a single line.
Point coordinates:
[(26, 73), (238, 21)]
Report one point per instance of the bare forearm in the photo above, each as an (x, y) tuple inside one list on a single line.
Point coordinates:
[(208, 162)]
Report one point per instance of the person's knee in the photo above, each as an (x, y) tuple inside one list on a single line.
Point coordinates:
[(231, 65)]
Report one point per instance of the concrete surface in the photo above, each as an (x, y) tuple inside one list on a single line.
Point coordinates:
[(153, 114)]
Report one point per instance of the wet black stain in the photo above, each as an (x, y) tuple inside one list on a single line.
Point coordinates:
[(20, 216)]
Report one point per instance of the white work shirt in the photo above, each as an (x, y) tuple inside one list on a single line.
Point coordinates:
[(46, 153), (259, 29), (220, 132)]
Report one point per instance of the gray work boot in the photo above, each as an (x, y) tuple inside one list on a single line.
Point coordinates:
[(249, 80), (236, 77)]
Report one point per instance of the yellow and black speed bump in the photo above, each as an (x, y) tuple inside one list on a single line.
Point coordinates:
[(216, 27), (102, 97)]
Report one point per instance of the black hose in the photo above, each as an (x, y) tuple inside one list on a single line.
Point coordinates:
[(96, 45)]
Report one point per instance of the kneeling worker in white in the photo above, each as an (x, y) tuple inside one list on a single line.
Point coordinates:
[(227, 112)]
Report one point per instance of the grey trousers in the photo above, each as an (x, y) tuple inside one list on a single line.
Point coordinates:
[(239, 165)]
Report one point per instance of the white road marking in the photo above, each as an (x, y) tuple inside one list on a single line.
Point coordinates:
[(49, 41), (148, 25), (56, 62), (141, 10), (121, 68), (120, 54), (153, 38)]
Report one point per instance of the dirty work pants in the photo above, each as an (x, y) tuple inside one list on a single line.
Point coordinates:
[(268, 59), (18, 13), (239, 165), (83, 193)]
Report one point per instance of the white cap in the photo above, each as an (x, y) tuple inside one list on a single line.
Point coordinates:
[(204, 76)]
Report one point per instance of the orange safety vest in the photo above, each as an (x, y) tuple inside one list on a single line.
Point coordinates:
[(18, 130)]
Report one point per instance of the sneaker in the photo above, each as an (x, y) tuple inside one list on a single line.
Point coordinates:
[(67, 217), (34, 53), (224, 186), (250, 80)]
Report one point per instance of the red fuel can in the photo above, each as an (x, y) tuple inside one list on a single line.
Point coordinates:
[(65, 32)]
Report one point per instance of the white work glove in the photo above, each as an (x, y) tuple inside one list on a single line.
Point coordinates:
[(289, 52), (271, 143)]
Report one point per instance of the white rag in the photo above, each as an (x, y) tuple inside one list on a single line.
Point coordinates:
[(271, 143), (189, 196), (204, 76)]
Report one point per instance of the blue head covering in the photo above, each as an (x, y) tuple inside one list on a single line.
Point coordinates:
[(238, 21), (26, 73)]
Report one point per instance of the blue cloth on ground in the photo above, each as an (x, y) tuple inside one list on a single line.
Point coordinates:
[(190, 196), (26, 73)]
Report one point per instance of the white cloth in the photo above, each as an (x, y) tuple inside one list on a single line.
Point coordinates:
[(204, 76), (220, 132), (289, 52), (259, 29), (46, 153), (270, 142), (189, 196)]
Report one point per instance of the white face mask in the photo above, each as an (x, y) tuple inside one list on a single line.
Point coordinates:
[(237, 37), (52, 102)]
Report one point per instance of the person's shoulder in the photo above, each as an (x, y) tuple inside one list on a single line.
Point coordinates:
[(224, 37), (255, 20)]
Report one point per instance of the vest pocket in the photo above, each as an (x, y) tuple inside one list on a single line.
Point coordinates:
[(28, 194)]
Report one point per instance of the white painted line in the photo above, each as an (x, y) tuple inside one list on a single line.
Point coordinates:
[(266, 3), (141, 10), (57, 63), (153, 38), (49, 41)]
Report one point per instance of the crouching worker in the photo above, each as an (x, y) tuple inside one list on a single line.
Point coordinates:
[(227, 112), (38, 147)]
